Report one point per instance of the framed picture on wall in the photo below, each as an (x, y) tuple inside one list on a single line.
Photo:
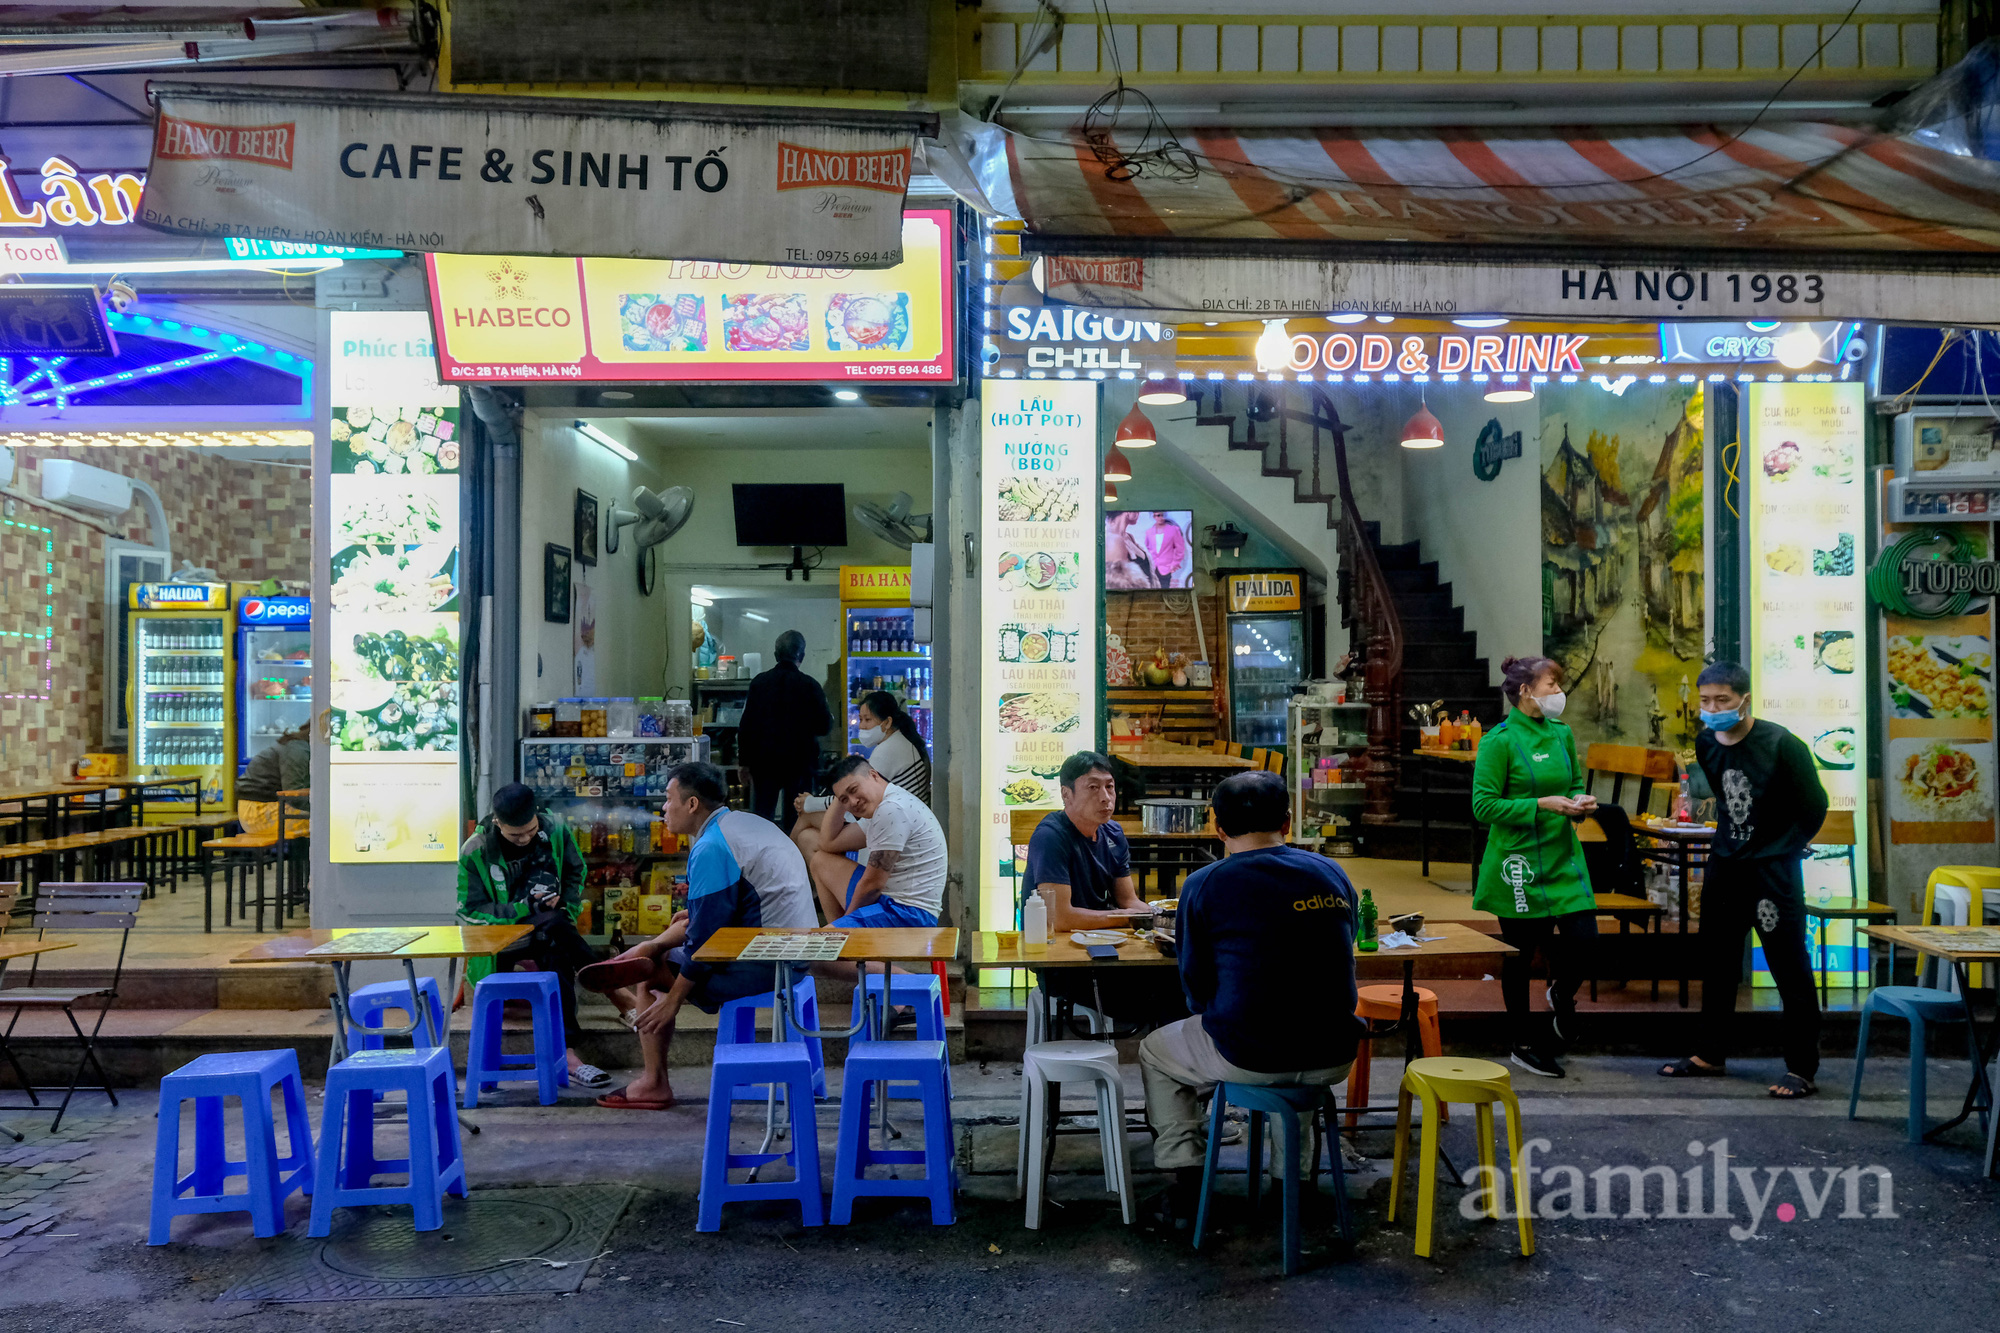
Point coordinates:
[(586, 528), (555, 583)]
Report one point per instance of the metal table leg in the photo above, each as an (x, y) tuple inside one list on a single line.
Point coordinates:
[(1424, 813), (1979, 1095)]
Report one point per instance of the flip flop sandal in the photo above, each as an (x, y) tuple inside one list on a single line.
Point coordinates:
[(618, 1101), (1689, 1069), (1794, 1088), (589, 1076)]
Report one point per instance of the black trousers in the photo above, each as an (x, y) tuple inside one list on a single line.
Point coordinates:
[(1566, 939), (554, 947), (1770, 896), (771, 796)]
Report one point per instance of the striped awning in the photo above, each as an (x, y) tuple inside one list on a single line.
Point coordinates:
[(1795, 185)]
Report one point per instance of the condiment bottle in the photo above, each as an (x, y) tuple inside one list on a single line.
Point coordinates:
[(1035, 925), (1447, 733)]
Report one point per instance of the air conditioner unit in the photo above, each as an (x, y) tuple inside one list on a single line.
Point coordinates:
[(81, 486)]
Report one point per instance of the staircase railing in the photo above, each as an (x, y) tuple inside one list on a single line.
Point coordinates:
[(1369, 609)]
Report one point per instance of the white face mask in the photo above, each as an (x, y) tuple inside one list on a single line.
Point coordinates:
[(1552, 705), (873, 736)]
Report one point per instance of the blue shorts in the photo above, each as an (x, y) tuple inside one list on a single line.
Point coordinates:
[(884, 913)]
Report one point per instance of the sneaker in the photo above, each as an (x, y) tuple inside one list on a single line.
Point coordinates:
[(1562, 1020), (1535, 1062)]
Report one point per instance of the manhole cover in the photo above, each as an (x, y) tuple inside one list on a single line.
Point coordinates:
[(481, 1234), (495, 1243)]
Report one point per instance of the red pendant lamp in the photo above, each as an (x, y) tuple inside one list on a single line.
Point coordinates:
[(1423, 431), (1110, 493), (1136, 431), (1117, 467)]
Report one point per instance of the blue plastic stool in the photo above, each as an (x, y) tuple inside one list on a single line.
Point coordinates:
[(1921, 1006), (368, 1004), (737, 1024), (1283, 1103), (924, 993), (486, 1067), (787, 1064), (872, 1062), (250, 1076), (347, 1161)]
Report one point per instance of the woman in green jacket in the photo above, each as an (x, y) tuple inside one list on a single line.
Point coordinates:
[(1527, 787)]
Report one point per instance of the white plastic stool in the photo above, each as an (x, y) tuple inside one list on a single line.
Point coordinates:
[(1044, 1068), (1038, 1031), (1952, 906)]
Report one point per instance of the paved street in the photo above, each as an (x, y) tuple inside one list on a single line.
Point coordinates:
[(75, 1208)]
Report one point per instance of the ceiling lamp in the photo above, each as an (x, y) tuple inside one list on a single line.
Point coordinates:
[(1509, 390), (1161, 391), (1423, 431), (1274, 347), (1110, 494), (1117, 467), (1485, 322), (1797, 349), (1135, 431)]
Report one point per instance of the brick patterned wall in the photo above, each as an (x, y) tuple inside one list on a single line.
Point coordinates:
[(1145, 622), (247, 521)]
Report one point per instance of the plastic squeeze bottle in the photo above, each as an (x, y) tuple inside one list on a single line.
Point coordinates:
[(1035, 925), (1364, 938)]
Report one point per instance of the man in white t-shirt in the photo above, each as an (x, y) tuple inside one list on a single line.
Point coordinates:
[(901, 883)]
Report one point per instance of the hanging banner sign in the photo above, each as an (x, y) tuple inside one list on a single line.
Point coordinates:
[(1187, 289), (603, 320), (52, 320), (532, 176)]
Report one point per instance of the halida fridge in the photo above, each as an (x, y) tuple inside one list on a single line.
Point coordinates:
[(1267, 651), (181, 696), (273, 671)]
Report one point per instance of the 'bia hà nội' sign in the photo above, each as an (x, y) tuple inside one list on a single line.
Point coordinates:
[(532, 176)]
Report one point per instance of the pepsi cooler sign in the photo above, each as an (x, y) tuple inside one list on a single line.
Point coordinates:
[(274, 610)]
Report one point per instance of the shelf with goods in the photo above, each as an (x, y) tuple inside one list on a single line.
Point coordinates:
[(882, 654), (608, 789), (1324, 740)]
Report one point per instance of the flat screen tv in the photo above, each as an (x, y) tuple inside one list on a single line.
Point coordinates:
[(1148, 548), (791, 514)]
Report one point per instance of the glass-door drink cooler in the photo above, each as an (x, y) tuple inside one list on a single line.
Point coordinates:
[(273, 671), (882, 652), (181, 694), (1267, 644)]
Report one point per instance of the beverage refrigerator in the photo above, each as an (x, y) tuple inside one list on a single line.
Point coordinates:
[(881, 651), (181, 694), (1267, 652), (273, 671)]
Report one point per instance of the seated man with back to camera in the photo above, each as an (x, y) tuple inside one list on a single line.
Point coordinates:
[(1266, 952), (742, 871), (1081, 865)]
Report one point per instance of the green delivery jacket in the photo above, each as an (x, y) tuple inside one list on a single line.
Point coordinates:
[(488, 895), (1533, 866)]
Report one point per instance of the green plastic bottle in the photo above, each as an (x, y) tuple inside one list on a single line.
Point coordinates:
[(1364, 939)]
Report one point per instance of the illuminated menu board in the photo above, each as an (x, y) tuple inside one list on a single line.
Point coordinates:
[(1039, 489), (393, 622), (1803, 462)]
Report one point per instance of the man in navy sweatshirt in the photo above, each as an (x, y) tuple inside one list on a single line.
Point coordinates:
[(1266, 947)]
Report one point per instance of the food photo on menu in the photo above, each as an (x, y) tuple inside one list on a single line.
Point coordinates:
[(1933, 781), (394, 440), (1941, 677), (1834, 651), (395, 683)]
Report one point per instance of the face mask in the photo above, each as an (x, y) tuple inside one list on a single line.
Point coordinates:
[(1553, 704), (872, 737), (1721, 721)]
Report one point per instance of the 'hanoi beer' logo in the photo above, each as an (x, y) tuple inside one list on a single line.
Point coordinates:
[(816, 168), (191, 141)]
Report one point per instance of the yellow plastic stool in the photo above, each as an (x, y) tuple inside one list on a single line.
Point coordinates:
[(1978, 879), (1444, 1079)]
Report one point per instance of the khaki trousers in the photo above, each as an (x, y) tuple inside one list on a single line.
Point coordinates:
[(1181, 1065)]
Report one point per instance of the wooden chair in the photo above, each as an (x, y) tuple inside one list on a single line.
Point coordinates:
[(1837, 830), (10, 893), (1629, 761), (1274, 762), (63, 908)]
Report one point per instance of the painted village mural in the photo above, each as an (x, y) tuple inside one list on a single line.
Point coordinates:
[(1622, 561)]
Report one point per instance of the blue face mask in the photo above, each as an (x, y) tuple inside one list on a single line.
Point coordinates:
[(1721, 721)]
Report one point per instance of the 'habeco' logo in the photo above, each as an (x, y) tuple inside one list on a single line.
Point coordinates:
[(816, 168), (190, 141)]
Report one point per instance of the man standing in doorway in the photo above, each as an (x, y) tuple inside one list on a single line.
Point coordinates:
[(1769, 807), (784, 716)]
